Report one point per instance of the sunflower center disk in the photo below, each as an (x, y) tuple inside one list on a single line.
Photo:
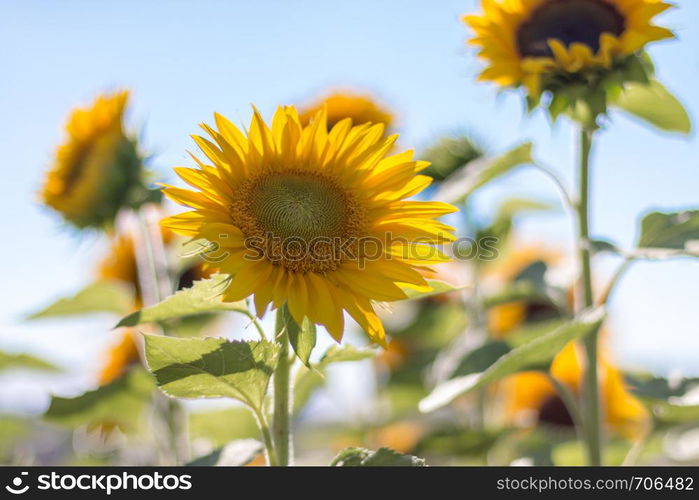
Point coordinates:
[(291, 206), (569, 21), (303, 222), (553, 412)]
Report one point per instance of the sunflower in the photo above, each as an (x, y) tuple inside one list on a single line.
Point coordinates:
[(531, 396), (119, 358), (312, 218), (524, 40), (97, 169), (503, 319), (340, 105)]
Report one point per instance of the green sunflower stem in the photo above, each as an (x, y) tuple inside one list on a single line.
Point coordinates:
[(281, 425), (267, 438), (591, 399), (155, 284)]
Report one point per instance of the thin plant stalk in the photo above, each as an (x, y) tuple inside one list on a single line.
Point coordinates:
[(281, 424), (266, 438), (155, 285), (591, 399)]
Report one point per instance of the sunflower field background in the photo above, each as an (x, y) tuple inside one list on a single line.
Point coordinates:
[(535, 161)]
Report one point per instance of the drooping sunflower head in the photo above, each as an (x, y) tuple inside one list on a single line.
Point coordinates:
[(530, 397), (315, 219), (526, 41), (97, 168), (359, 108)]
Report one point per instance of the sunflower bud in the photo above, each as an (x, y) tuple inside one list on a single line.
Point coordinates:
[(448, 155), (98, 170)]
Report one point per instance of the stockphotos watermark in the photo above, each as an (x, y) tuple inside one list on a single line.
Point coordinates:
[(107, 483), (348, 249)]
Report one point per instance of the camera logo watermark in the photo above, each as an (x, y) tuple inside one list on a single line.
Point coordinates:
[(16, 488)]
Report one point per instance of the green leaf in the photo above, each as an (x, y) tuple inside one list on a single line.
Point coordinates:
[(523, 290), (481, 172), (534, 275), (674, 230), (235, 454), (514, 206), (599, 246), (559, 104), (99, 297), (309, 379), (301, 337), (653, 387), (574, 453), (191, 326), (220, 427), (670, 412), (638, 69), (120, 403), (438, 288), (456, 440), (534, 355), (383, 457), (670, 401), (530, 331), (655, 105), (13, 430), (340, 354), (479, 359), (212, 368), (25, 362), (203, 297), (597, 102)]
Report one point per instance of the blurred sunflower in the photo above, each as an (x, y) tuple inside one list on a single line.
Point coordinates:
[(97, 170), (530, 397), (504, 318), (335, 195), (401, 436), (340, 105), (119, 358), (523, 40)]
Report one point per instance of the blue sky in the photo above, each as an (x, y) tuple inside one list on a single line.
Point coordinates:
[(185, 60)]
